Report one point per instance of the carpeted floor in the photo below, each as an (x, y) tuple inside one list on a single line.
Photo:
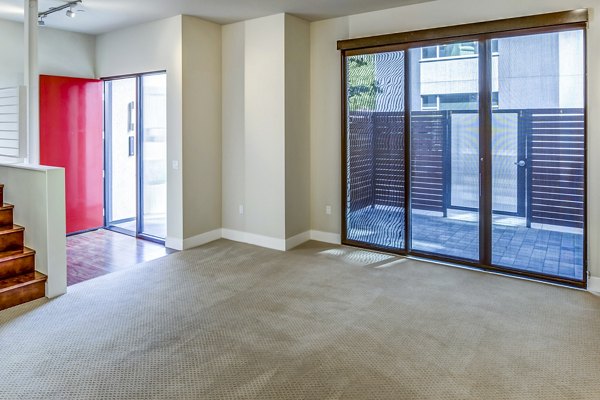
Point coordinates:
[(229, 321)]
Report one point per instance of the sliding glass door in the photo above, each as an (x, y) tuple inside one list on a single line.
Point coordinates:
[(470, 150), (375, 163), (135, 164), (539, 154), (444, 150)]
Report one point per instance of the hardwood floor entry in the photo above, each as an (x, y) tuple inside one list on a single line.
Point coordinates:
[(96, 253)]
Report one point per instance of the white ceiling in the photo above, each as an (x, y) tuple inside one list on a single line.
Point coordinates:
[(106, 15)]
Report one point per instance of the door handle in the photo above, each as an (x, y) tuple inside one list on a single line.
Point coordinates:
[(520, 163), (131, 146), (130, 116)]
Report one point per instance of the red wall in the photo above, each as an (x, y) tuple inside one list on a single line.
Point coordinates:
[(71, 120)]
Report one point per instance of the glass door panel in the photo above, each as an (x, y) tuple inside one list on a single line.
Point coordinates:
[(538, 154), (375, 165), (444, 142), (121, 162), (154, 155)]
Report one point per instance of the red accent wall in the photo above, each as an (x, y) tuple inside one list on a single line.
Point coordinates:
[(71, 119)]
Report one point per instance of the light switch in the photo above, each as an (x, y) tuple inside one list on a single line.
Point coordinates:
[(175, 164)]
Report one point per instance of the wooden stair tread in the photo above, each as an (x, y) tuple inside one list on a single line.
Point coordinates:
[(12, 254), (21, 280), (6, 206), (10, 229)]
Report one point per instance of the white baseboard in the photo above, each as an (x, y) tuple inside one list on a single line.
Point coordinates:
[(594, 284), (201, 239), (297, 240), (194, 241), (252, 238), (174, 243), (326, 237)]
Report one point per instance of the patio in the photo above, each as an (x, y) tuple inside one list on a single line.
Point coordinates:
[(548, 250)]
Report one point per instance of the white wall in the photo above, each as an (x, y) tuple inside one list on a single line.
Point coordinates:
[(38, 194), (154, 46), (60, 53), (325, 89)]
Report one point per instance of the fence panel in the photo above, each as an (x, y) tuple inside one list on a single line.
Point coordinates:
[(556, 150)]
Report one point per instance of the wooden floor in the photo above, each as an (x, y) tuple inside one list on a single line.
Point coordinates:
[(97, 253)]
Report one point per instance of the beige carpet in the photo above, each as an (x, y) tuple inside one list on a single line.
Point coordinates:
[(233, 321)]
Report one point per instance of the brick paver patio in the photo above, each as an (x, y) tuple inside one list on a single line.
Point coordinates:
[(531, 249)]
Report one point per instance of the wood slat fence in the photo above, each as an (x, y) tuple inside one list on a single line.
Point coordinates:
[(554, 162)]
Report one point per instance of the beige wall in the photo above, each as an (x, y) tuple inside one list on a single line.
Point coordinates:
[(325, 128), (264, 94), (233, 123), (60, 53), (297, 126), (149, 47), (325, 90), (201, 160), (266, 130), (189, 50)]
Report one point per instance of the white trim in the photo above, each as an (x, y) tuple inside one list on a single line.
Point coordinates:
[(594, 284), (174, 243), (231, 234), (252, 238), (201, 239), (297, 240), (326, 237)]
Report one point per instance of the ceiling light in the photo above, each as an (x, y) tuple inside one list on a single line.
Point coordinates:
[(71, 13)]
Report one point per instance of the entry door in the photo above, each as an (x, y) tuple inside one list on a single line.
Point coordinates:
[(135, 141), (71, 138)]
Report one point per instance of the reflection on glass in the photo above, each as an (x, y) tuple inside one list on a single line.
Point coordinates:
[(154, 163), (375, 210), (445, 151), (120, 95), (538, 154)]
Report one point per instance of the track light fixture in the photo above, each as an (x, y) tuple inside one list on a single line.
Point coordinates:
[(71, 13)]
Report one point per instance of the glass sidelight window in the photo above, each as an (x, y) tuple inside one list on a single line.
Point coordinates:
[(470, 150), (135, 112)]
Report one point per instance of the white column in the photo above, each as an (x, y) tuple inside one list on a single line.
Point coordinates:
[(32, 80)]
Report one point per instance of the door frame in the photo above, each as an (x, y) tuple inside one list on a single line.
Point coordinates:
[(139, 162), (380, 44)]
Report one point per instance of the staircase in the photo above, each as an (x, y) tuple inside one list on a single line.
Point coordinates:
[(19, 281)]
